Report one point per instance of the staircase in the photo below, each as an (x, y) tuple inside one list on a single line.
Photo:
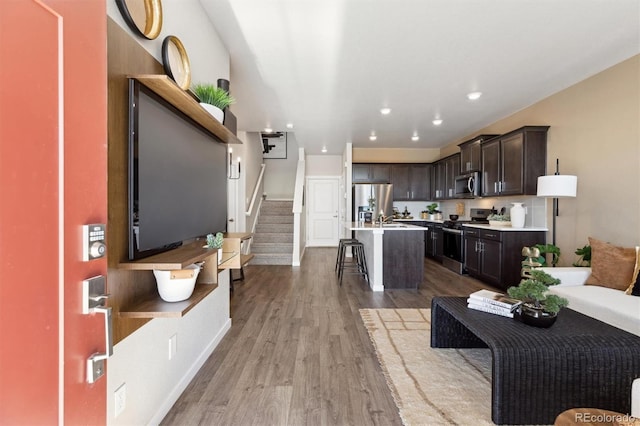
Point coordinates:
[(273, 238)]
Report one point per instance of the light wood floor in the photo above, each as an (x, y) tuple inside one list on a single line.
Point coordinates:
[(298, 353)]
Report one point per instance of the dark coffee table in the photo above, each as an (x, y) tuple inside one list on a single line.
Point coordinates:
[(540, 372)]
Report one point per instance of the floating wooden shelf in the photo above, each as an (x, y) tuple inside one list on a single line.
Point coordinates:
[(155, 307), (245, 258), (164, 87), (178, 258), (233, 244)]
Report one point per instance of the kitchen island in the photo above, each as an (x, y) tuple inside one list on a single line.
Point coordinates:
[(394, 252)]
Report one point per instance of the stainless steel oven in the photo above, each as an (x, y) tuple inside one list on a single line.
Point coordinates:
[(453, 239)]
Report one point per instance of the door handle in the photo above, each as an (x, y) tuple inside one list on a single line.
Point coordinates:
[(93, 302)]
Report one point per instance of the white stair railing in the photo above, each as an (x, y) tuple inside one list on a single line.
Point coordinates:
[(298, 212)]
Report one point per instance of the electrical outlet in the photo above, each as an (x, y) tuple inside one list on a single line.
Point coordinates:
[(173, 346), (120, 399)]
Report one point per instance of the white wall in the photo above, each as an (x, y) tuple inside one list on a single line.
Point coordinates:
[(187, 20), (140, 361), (280, 176), (324, 165)]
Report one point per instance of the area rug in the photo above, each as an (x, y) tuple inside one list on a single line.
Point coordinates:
[(429, 386)]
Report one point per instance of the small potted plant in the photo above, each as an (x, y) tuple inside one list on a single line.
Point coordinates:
[(432, 210), (216, 243), (551, 249), (497, 219), (213, 99), (538, 308), (584, 258)]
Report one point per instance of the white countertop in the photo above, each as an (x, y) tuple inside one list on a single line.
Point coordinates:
[(359, 226), (503, 228), (417, 219)]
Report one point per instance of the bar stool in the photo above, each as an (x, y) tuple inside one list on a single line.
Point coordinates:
[(341, 249), (359, 264)]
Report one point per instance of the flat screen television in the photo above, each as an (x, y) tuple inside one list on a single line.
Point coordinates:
[(177, 176)]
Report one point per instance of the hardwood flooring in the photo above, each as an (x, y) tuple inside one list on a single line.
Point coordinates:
[(298, 353)]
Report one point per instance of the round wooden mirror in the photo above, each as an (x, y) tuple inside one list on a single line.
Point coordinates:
[(144, 17), (176, 62)]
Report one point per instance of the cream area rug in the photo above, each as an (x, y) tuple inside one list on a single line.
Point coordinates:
[(430, 386)]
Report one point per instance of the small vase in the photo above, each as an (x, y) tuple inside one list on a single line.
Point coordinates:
[(216, 112), (517, 214), (219, 256)]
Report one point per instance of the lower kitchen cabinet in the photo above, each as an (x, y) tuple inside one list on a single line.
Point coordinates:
[(495, 257), (434, 241)]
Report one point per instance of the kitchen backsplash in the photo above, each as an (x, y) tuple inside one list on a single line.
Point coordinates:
[(535, 216)]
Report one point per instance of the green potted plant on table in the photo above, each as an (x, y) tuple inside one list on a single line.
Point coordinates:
[(213, 99), (215, 241), (538, 308)]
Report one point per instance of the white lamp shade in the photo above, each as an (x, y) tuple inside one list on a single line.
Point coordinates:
[(557, 186)]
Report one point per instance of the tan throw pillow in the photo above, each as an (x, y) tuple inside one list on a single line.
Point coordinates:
[(634, 288), (611, 266)]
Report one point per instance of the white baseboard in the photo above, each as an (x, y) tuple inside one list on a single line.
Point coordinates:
[(173, 396)]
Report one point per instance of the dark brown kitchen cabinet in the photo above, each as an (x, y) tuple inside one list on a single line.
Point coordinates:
[(439, 180), (411, 182), (434, 241), (371, 173), (471, 153), (453, 170), (494, 256), (445, 173), (512, 162)]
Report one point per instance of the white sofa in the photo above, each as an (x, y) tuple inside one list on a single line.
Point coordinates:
[(608, 305)]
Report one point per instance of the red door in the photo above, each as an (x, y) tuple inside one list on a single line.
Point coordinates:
[(52, 180)]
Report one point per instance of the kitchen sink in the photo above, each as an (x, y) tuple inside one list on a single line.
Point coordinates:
[(393, 225)]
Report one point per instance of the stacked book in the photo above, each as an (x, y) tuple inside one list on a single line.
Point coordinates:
[(493, 303)]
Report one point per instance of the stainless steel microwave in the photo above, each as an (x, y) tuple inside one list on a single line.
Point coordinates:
[(467, 185)]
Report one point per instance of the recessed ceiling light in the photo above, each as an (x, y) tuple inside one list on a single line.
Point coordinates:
[(474, 95), (372, 138), (385, 111), (324, 149), (415, 138), (289, 125), (268, 130), (437, 122)]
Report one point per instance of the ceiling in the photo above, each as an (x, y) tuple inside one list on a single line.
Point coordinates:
[(329, 66)]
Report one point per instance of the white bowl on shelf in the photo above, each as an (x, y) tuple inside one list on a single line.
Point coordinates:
[(176, 285)]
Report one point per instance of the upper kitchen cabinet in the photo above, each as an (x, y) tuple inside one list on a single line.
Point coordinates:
[(470, 153), (512, 162), (411, 182), (445, 172), (371, 173)]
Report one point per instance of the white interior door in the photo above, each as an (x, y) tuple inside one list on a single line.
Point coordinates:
[(323, 224)]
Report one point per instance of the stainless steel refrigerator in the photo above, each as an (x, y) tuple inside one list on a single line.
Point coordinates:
[(374, 198)]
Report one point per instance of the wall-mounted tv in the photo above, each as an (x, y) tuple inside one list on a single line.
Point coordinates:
[(177, 175)]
